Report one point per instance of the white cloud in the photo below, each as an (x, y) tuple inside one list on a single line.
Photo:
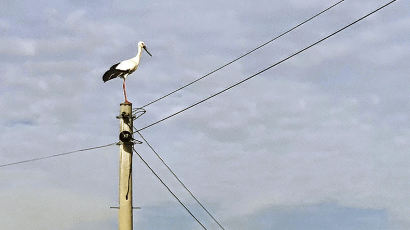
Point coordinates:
[(51, 208), (330, 126), (16, 47)]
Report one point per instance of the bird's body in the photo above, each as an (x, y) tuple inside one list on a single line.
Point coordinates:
[(125, 68)]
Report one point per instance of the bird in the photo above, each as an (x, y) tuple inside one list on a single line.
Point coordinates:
[(125, 68)]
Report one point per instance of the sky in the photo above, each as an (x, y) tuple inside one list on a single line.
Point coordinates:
[(319, 142)]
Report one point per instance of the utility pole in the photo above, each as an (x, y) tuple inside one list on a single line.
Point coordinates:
[(125, 183)]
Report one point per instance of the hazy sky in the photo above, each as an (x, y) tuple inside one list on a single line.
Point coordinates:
[(319, 142)]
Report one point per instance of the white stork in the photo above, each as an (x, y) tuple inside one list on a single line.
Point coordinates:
[(125, 68)]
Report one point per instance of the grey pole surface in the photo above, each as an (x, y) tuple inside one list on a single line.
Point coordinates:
[(125, 183)]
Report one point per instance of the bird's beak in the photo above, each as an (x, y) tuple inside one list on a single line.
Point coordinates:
[(145, 48)]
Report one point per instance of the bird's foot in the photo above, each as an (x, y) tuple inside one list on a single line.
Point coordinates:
[(127, 102)]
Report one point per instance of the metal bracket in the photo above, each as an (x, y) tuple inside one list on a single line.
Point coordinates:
[(124, 115), (125, 143), (126, 137), (138, 112), (133, 142)]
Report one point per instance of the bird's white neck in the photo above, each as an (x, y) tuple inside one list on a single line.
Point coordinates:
[(137, 58)]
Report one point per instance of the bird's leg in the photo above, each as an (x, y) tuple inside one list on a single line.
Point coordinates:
[(125, 92)]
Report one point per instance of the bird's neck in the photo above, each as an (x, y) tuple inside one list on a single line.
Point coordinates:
[(137, 58)]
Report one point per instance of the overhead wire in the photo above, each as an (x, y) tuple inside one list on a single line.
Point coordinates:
[(169, 190), (243, 55), (269, 67), (56, 155), (179, 180)]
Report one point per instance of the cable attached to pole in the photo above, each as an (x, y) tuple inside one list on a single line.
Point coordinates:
[(56, 155), (243, 55), (169, 190), (269, 67), (183, 185)]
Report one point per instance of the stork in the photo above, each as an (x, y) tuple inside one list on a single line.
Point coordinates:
[(125, 68)]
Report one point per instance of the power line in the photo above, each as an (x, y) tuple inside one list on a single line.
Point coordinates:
[(183, 185), (277, 63), (56, 155), (243, 55), (169, 190)]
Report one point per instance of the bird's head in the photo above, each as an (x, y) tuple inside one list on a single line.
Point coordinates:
[(142, 45)]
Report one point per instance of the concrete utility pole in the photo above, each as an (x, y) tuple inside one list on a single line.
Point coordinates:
[(125, 183)]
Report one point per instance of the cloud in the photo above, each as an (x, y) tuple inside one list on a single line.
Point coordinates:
[(322, 135), (326, 216), (48, 209), (17, 47)]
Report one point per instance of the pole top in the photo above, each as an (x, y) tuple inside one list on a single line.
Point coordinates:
[(126, 103), (126, 109)]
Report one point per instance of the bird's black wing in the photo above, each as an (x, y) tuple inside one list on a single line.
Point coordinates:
[(113, 73)]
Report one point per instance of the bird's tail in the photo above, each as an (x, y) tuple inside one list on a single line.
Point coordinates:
[(111, 74)]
